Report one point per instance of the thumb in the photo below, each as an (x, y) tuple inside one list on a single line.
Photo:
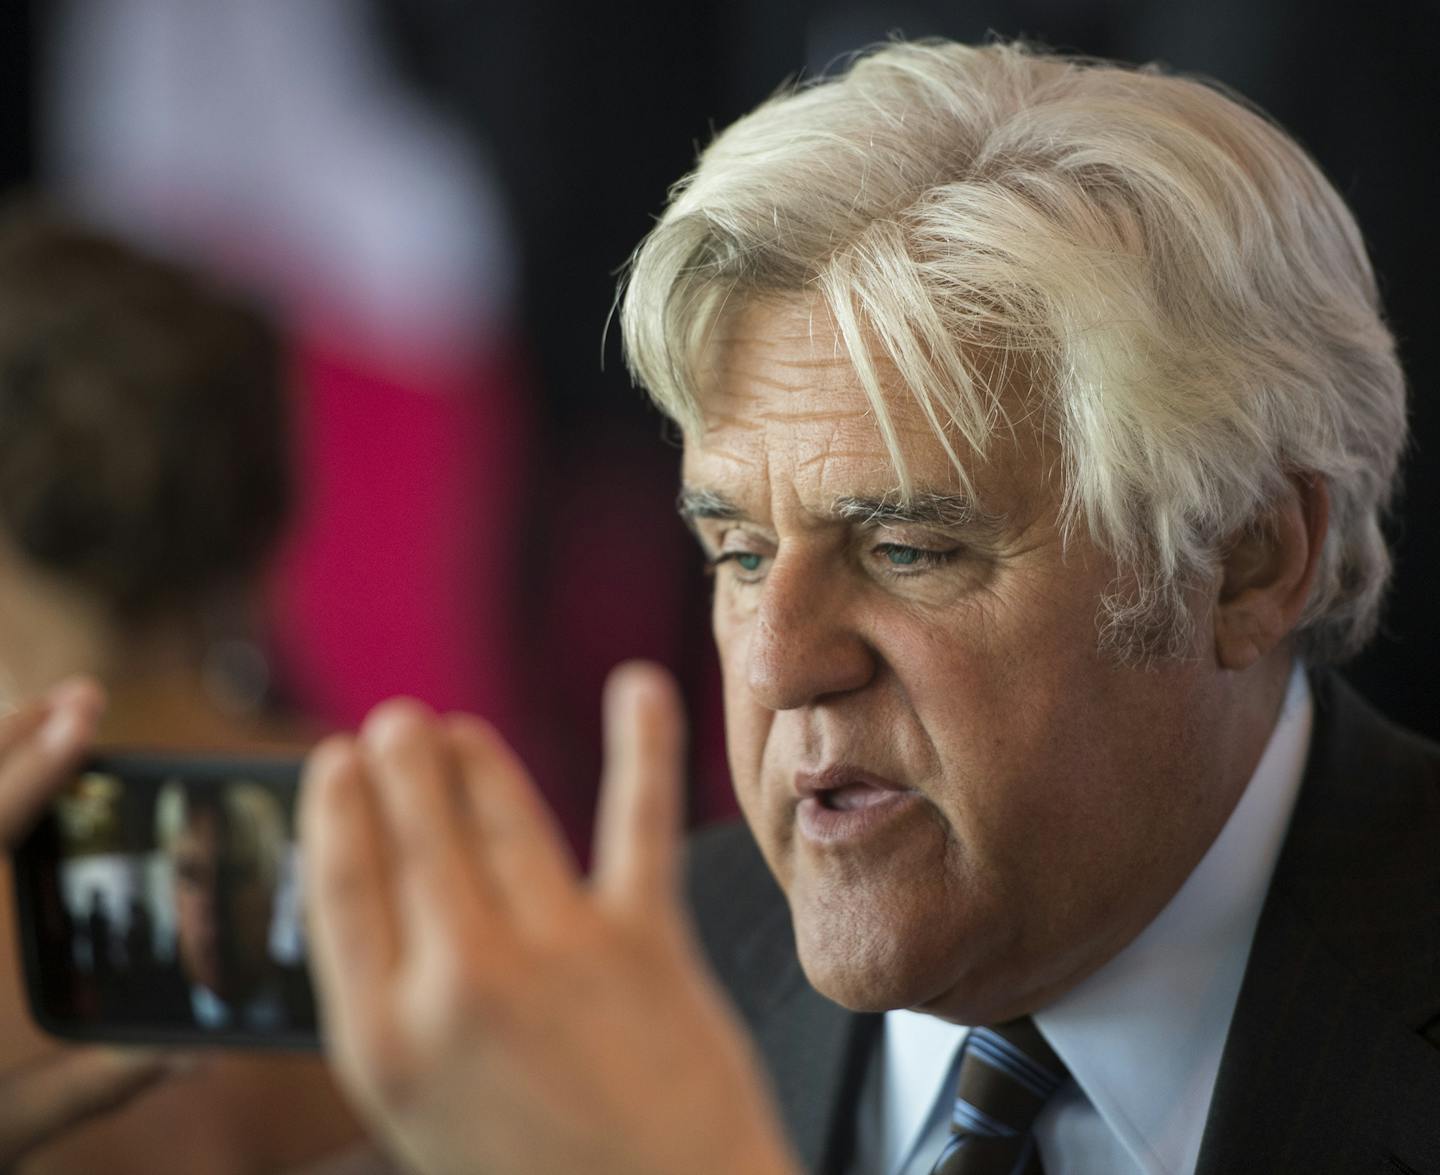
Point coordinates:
[(49, 1095)]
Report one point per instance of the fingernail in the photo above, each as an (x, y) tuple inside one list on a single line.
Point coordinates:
[(634, 683), (74, 706), (125, 1059), (394, 720), (614, 700), (181, 1064), (77, 691), (62, 730), (170, 1060)]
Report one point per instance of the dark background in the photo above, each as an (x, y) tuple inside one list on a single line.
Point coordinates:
[(589, 113), (590, 95)]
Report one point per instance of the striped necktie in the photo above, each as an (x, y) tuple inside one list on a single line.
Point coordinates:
[(1007, 1073)]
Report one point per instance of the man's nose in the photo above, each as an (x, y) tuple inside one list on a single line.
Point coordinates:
[(804, 644)]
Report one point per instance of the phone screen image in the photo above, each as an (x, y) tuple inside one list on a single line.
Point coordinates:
[(160, 902)]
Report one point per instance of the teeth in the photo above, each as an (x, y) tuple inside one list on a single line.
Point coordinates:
[(852, 796)]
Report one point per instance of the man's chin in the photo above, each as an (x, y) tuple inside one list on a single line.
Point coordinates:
[(864, 973), (858, 990), (865, 943), (854, 993), (884, 978)]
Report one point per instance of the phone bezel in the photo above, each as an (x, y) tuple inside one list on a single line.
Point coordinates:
[(37, 856)]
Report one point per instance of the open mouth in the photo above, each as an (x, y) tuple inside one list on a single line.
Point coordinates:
[(852, 797), (844, 804)]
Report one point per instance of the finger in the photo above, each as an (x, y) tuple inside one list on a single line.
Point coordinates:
[(39, 746), (361, 1158), (517, 842), (44, 1098), (351, 916), (638, 823), (418, 784)]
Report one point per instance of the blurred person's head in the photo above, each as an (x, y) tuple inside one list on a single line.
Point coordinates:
[(1036, 412), (225, 848), (142, 454)]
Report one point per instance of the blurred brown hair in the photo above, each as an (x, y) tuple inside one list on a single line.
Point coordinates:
[(143, 450)]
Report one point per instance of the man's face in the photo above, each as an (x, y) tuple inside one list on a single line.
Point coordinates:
[(968, 805), (222, 911)]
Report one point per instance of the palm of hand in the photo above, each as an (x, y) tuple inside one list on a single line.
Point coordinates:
[(489, 1010)]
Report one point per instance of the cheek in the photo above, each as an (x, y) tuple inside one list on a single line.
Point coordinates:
[(747, 727), (1011, 718), (1049, 754), (744, 720)]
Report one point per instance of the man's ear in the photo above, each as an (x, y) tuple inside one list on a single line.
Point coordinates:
[(1267, 572)]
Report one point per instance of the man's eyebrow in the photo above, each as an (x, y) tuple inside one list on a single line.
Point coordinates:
[(695, 503), (951, 511)]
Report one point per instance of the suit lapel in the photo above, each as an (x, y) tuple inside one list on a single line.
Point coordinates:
[(1326, 1066), (1316, 1077), (815, 1049)]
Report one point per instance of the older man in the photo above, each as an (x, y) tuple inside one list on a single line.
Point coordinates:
[(225, 846), (1038, 419)]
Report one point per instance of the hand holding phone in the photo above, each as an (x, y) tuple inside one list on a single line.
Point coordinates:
[(39, 743), (39, 746), (49, 1096)]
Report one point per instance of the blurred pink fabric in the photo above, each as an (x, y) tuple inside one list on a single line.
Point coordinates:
[(399, 575)]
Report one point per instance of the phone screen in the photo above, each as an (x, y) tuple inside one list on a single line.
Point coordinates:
[(160, 903)]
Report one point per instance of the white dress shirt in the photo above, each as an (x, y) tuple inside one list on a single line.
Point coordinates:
[(263, 1012), (1142, 1036)]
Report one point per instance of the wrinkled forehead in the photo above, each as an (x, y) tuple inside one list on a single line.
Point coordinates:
[(783, 399), (779, 373)]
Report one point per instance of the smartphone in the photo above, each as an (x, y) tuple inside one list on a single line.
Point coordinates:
[(159, 903)]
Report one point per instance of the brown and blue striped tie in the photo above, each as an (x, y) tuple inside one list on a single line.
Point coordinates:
[(1007, 1074)]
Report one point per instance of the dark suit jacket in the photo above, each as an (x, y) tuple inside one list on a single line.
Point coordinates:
[(160, 998), (1332, 1063)]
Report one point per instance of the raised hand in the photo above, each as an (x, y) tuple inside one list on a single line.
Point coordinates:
[(39, 744), (488, 1009)]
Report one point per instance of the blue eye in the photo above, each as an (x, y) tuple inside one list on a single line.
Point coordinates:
[(747, 562), (912, 560)]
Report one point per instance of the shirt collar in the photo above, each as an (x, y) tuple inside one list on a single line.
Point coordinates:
[(263, 1012), (917, 1059), (1143, 1035)]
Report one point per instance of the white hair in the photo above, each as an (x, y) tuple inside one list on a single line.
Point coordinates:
[(254, 823), (1187, 297)]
